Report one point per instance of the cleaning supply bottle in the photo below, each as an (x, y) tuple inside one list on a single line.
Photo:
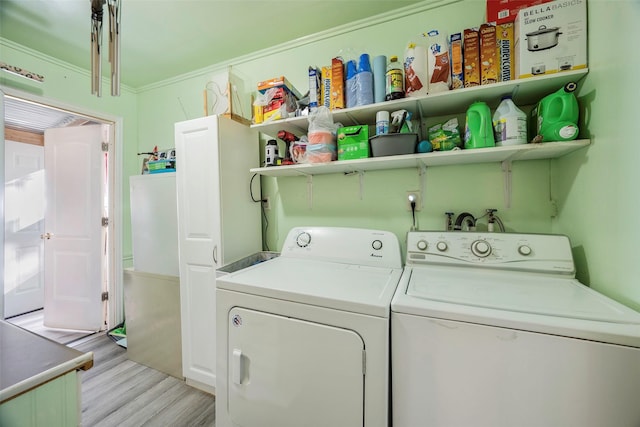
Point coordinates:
[(478, 132), (395, 80), (555, 118), (509, 123), (416, 80)]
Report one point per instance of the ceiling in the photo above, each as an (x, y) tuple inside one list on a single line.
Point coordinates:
[(162, 39)]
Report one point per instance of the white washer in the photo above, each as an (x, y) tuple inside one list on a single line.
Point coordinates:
[(303, 339), (492, 329)]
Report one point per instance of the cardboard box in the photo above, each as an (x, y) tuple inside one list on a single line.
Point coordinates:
[(315, 86), (488, 54), (326, 86), (551, 38), (457, 63), (353, 142), (280, 81), (471, 55), (506, 54), (503, 11), (337, 84)]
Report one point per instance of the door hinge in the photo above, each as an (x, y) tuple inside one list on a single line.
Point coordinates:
[(105, 221), (105, 296), (105, 147)]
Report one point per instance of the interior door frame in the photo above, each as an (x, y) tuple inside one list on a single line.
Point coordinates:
[(115, 303)]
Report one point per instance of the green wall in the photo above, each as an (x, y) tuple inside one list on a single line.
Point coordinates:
[(588, 195), (71, 86), (597, 188), (337, 199)]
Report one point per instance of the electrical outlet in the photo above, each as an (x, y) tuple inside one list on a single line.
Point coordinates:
[(418, 200), (266, 203)]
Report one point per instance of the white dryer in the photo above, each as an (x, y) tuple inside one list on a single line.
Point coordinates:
[(303, 339), (492, 329)]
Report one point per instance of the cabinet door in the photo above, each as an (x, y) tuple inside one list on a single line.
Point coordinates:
[(288, 372), (197, 184)]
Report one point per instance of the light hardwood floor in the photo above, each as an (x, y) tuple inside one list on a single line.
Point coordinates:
[(33, 322), (119, 392)]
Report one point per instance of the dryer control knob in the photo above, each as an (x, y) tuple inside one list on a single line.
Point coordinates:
[(422, 245), (481, 248), (377, 245), (442, 246), (524, 250), (303, 239)]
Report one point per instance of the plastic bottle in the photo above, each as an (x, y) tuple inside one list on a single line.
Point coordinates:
[(364, 86), (395, 80), (555, 118), (478, 132), (416, 81), (509, 123), (382, 122)]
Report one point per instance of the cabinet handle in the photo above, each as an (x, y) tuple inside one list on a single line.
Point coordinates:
[(215, 254), (237, 366)]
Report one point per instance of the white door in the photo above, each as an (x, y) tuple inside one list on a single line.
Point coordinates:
[(24, 223), (74, 238), (288, 372), (198, 188)]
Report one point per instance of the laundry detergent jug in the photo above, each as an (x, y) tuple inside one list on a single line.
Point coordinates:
[(478, 129), (555, 118)]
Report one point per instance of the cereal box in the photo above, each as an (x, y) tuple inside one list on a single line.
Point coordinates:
[(337, 84), (457, 64), (504, 40), (488, 54), (315, 86), (326, 86), (471, 55)]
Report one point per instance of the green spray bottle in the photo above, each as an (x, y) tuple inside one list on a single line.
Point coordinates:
[(555, 118)]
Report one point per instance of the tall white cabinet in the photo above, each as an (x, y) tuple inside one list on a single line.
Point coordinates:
[(218, 223)]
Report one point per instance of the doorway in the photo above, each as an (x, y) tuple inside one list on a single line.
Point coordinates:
[(35, 116)]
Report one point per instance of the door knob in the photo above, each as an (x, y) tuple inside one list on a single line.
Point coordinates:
[(46, 236)]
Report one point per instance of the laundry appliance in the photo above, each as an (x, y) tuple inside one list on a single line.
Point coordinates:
[(303, 339), (493, 329)]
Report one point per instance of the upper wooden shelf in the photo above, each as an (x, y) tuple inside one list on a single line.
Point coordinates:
[(524, 92)]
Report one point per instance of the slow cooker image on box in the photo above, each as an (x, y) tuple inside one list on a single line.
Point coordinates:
[(543, 38)]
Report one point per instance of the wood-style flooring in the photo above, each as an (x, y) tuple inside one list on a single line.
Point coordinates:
[(119, 392), (33, 322)]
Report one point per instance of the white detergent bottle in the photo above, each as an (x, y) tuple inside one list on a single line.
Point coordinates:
[(509, 123)]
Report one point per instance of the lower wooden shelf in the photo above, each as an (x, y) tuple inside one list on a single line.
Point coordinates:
[(546, 150)]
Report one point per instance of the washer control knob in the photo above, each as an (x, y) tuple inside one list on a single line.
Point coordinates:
[(377, 245), (481, 248), (303, 239), (442, 246), (524, 250), (422, 245)]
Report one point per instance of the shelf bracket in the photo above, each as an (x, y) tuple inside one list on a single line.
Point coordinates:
[(506, 172), (422, 173), (310, 191)]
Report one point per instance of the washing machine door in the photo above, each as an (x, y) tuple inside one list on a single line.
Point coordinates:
[(289, 373)]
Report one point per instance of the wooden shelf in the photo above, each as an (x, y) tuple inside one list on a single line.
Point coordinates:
[(524, 92), (546, 150)]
